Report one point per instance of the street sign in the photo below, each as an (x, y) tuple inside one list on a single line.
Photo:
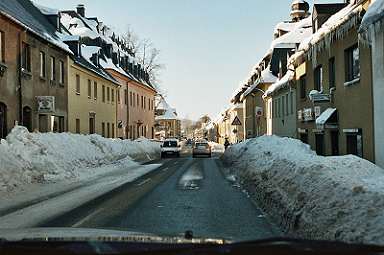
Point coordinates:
[(236, 121)]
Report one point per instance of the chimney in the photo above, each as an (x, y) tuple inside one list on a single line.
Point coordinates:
[(81, 10)]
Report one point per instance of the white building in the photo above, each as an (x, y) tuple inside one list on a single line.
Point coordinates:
[(372, 31)]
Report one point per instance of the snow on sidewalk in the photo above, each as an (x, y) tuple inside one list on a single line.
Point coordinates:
[(36, 158), (310, 196), (46, 210)]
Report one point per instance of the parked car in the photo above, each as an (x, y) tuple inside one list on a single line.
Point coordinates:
[(201, 148), (170, 147)]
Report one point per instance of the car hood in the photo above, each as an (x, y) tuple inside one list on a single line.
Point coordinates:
[(89, 234)]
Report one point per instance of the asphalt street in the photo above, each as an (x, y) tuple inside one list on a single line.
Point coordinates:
[(183, 194)]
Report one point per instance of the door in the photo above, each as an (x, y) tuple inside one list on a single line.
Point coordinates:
[(335, 143), (319, 144), (3, 121), (27, 118), (304, 138)]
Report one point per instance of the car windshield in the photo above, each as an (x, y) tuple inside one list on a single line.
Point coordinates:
[(227, 120), (170, 144)]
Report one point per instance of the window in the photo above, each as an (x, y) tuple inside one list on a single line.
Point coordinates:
[(142, 102), (113, 95), (2, 47), (291, 95), (118, 95), (137, 100), (77, 84), (126, 97), (134, 101), (77, 126), (303, 87), (91, 125), (149, 104), (113, 130), (53, 70), (61, 72), (352, 63), (42, 64), (318, 76), (282, 106), (286, 105), (89, 90), (103, 93), (332, 72), (108, 130), (26, 57), (103, 129), (108, 94), (130, 98), (95, 90), (145, 103)]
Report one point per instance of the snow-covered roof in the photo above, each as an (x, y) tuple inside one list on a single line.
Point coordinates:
[(32, 19), (301, 30), (237, 106), (280, 83), (46, 10), (265, 77), (168, 115), (334, 28), (324, 116), (91, 28), (162, 104)]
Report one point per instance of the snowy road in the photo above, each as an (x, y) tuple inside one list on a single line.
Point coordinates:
[(183, 194)]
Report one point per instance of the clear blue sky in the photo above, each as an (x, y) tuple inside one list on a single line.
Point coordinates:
[(208, 46)]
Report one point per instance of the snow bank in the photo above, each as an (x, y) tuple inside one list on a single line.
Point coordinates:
[(39, 158), (310, 196)]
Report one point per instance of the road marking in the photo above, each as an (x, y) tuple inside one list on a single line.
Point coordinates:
[(144, 182), (77, 224)]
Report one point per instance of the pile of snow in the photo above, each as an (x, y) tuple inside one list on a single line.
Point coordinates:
[(40, 158), (310, 196)]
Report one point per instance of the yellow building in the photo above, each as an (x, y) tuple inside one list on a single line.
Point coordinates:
[(92, 98)]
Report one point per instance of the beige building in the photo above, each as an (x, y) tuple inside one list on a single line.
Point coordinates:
[(334, 99), (91, 100), (235, 123), (134, 98)]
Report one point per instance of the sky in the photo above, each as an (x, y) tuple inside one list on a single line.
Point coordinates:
[(207, 46)]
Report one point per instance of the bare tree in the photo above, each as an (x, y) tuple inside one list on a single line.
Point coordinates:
[(146, 54)]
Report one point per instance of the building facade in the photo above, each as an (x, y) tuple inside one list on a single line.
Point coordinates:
[(34, 62), (372, 33), (335, 104), (92, 101)]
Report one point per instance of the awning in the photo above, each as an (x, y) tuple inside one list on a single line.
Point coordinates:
[(325, 116)]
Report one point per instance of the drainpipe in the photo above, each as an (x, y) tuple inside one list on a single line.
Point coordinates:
[(128, 115), (20, 94)]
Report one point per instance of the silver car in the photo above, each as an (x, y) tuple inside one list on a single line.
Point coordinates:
[(201, 149)]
